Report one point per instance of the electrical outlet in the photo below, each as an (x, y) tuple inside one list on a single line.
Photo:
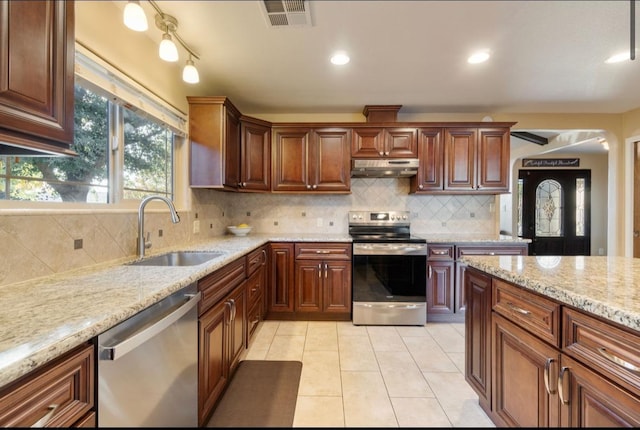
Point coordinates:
[(196, 226)]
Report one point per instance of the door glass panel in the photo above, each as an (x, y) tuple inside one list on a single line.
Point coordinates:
[(549, 205), (520, 185), (580, 182)]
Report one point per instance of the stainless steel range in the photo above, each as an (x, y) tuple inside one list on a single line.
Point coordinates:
[(389, 269)]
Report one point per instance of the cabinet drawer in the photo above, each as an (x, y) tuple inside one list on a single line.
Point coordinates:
[(64, 388), (216, 285), (255, 287), (254, 316), (532, 312), (439, 252), (323, 251), (610, 350), (462, 251), (256, 259)]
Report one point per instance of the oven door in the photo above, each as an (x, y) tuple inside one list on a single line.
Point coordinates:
[(389, 283)]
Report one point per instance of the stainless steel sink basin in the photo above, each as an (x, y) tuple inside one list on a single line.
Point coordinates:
[(178, 258)]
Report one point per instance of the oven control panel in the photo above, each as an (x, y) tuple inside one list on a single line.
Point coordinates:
[(379, 217)]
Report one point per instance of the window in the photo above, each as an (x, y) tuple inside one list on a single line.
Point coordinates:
[(125, 151), (549, 206)]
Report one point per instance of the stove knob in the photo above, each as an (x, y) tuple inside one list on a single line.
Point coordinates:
[(404, 217)]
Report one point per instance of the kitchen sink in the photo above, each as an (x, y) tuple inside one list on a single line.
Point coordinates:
[(178, 258)]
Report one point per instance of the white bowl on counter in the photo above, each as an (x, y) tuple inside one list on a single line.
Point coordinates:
[(239, 231)]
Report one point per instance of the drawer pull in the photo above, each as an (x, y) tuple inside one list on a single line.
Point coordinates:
[(619, 361), (547, 365), (441, 252), (323, 251), (517, 309), (42, 422), (561, 387)]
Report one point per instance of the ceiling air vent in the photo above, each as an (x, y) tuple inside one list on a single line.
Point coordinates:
[(286, 13)]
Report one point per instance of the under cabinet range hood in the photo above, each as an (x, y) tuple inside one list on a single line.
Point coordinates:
[(384, 168)]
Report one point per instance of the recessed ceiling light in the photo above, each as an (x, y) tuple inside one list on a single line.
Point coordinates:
[(618, 58), (478, 57), (340, 59)]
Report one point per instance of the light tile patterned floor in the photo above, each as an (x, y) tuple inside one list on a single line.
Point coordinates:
[(374, 376)]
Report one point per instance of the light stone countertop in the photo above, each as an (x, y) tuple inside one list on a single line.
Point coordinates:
[(472, 238), (608, 287), (46, 317)]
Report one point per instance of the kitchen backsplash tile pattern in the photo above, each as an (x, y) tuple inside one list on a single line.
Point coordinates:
[(37, 245)]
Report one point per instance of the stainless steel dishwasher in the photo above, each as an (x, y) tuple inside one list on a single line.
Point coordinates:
[(148, 366)]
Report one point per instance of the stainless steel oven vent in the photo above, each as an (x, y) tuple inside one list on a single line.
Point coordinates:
[(286, 13)]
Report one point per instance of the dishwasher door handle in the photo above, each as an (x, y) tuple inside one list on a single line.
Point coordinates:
[(121, 348)]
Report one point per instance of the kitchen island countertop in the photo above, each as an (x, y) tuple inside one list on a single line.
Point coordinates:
[(608, 287)]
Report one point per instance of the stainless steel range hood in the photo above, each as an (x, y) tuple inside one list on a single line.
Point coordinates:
[(387, 168)]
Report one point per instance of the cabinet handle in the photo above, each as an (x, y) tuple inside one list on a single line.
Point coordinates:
[(314, 186), (381, 153), (420, 186), (232, 309), (517, 309), (429, 272), (308, 187), (617, 360), (319, 270), (386, 153), (547, 365), (326, 270), (440, 252), (561, 386), (264, 257), (323, 251), (42, 422)]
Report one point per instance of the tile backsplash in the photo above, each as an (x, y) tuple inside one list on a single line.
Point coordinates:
[(38, 244)]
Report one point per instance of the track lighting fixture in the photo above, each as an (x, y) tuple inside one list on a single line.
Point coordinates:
[(190, 73), (134, 16), (135, 19)]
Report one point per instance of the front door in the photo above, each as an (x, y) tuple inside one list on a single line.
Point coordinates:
[(555, 211)]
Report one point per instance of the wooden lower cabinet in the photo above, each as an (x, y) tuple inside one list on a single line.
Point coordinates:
[(222, 339), (478, 335), (310, 281), (534, 371), (256, 289), (524, 385), (60, 394), (594, 401)]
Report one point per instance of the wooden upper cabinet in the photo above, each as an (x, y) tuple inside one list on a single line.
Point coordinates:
[(493, 159), (255, 155), (431, 155), (228, 150), (311, 160), (457, 160), (384, 142), (37, 55), (460, 158)]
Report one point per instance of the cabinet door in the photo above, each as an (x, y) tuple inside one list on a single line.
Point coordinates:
[(367, 142), (460, 158), (213, 369), (440, 283), (231, 141), (237, 326), (595, 401), (525, 387), (290, 153), (281, 277), (400, 143), (255, 161), (337, 286), (37, 74), (478, 335), (329, 160), (309, 281), (493, 159), (431, 156)]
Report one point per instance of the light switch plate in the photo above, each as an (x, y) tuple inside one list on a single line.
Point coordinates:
[(196, 226)]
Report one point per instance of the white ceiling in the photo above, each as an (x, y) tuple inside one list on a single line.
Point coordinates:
[(547, 56)]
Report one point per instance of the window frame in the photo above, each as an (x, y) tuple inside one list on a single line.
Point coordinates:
[(97, 75)]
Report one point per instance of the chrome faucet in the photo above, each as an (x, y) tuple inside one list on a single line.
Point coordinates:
[(142, 243)]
